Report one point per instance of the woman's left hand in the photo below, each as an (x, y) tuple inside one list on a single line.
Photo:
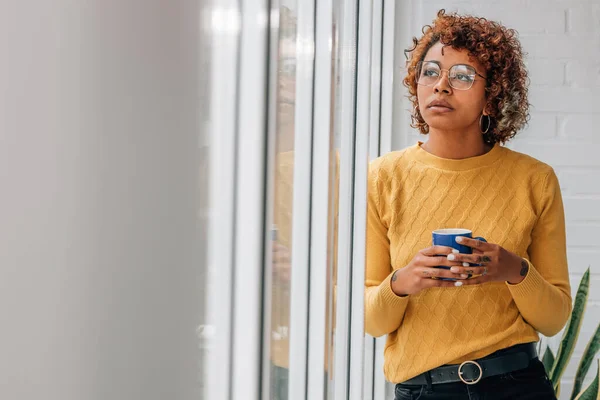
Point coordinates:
[(496, 263)]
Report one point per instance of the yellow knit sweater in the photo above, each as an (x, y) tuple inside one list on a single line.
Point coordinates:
[(507, 197)]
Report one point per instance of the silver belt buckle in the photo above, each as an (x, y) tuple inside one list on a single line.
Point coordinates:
[(474, 381)]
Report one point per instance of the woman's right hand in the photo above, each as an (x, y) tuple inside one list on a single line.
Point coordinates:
[(420, 273)]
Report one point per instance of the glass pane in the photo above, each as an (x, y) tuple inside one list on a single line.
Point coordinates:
[(204, 330), (334, 175), (341, 190), (283, 207)]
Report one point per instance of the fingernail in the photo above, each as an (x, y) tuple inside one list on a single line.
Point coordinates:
[(459, 239), (451, 257), (464, 276), (455, 251), (465, 264), (454, 269), (458, 283)]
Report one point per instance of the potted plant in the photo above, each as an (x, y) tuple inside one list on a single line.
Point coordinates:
[(556, 364)]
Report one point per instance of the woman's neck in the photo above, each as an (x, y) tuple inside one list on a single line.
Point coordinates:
[(457, 148)]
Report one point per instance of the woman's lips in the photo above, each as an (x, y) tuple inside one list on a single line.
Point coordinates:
[(440, 109), (440, 105)]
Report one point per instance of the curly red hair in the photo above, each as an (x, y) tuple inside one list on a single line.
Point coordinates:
[(498, 49)]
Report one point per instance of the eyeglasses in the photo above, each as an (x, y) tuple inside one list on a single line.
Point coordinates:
[(460, 76)]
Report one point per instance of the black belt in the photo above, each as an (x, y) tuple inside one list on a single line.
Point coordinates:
[(470, 372)]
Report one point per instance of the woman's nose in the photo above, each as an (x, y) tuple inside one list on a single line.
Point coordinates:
[(442, 85)]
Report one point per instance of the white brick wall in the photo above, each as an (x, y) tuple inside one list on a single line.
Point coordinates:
[(562, 40)]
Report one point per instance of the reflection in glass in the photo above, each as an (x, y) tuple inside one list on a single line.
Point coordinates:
[(283, 207), (333, 214)]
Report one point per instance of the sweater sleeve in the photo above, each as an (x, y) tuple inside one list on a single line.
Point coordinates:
[(384, 310), (544, 296)]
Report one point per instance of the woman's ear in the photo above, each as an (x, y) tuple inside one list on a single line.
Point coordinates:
[(486, 109)]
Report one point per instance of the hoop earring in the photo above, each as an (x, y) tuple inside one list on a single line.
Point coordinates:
[(489, 123)]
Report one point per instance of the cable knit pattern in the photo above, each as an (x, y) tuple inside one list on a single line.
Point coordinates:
[(507, 197)]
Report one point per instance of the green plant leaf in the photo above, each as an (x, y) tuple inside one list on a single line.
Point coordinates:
[(548, 359), (557, 390), (591, 392), (569, 339), (589, 353)]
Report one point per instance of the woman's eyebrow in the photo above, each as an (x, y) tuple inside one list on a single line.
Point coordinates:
[(439, 63)]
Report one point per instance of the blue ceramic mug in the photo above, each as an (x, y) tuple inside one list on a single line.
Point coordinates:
[(447, 237)]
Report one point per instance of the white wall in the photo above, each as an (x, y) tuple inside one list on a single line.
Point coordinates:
[(562, 38), (99, 262)]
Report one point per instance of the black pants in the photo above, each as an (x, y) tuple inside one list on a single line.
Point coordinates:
[(279, 383), (530, 383)]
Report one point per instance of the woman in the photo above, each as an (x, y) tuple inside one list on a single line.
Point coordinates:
[(472, 334)]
